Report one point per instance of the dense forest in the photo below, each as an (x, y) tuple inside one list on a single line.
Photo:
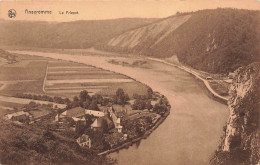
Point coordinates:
[(217, 41), (65, 35)]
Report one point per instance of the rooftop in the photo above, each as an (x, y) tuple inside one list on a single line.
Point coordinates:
[(17, 114), (74, 112)]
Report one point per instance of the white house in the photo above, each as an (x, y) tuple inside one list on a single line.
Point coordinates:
[(97, 124), (94, 113), (115, 119), (84, 141)]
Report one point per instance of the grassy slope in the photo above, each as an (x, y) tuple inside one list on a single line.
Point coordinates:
[(78, 34)]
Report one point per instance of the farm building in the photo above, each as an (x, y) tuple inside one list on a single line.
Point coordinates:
[(84, 141)]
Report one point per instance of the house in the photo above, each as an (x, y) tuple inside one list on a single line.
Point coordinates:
[(209, 78), (231, 75), (57, 118), (19, 116), (118, 122), (94, 113), (97, 124), (84, 141), (74, 112), (76, 119), (119, 129), (115, 119)]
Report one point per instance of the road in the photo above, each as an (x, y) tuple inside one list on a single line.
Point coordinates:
[(195, 74), (26, 101)]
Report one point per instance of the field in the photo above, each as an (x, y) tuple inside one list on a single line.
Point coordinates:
[(8, 107), (68, 79), (25, 75), (45, 76), (130, 88), (39, 75)]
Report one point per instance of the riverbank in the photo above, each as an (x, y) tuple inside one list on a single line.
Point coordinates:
[(218, 97), (138, 139)]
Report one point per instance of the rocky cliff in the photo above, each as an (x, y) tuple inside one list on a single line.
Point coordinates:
[(241, 141)]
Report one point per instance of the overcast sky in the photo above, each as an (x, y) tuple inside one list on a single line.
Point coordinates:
[(109, 9)]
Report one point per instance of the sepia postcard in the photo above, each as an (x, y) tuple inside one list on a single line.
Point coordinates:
[(129, 82)]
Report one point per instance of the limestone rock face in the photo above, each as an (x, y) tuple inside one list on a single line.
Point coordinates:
[(240, 143)]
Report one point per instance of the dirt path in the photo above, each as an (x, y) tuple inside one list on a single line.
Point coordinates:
[(45, 77), (26, 101)]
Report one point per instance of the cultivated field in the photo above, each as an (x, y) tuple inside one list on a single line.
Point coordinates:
[(25, 75), (45, 76), (39, 75), (68, 79)]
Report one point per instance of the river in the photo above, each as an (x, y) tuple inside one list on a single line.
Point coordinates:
[(189, 135)]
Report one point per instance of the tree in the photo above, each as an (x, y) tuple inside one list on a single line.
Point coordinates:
[(160, 108), (105, 102), (86, 104), (139, 104), (149, 119), (67, 101), (104, 126), (98, 97), (140, 130), (121, 98), (148, 105), (88, 120), (83, 95), (80, 127), (149, 93), (75, 99), (93, 105)]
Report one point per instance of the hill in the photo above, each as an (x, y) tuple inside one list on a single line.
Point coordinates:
[(27, 144), (142, 39), (216, 41), (65, 35)]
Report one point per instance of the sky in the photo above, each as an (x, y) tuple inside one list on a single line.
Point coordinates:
[(111, 9)]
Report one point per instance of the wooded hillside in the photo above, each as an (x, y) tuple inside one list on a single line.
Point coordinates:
[(216, 41)]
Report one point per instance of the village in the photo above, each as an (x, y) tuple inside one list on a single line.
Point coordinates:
[(96, 122)]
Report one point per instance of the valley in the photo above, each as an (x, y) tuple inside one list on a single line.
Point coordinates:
[(184, 128), (183, 89)]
